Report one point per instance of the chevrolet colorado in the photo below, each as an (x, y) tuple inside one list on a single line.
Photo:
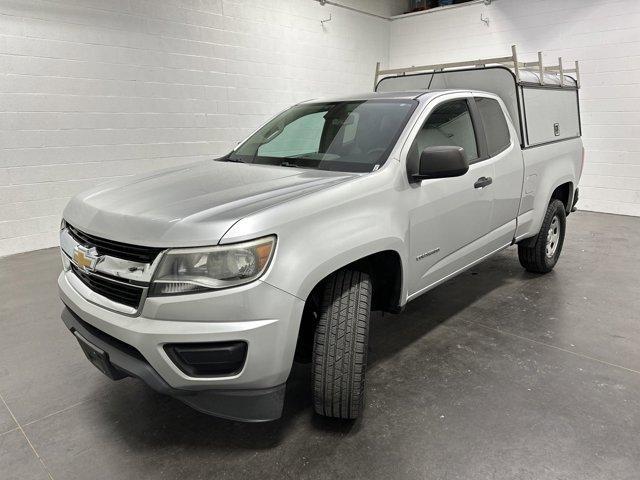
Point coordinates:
[(207, 280)]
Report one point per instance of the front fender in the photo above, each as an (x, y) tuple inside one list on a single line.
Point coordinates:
[(322, 232), (334, 263)]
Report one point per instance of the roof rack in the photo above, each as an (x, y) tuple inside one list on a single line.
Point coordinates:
[(525, 72)]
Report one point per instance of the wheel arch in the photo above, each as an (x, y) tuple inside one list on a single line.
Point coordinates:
[(385, 269), (564, 193), (384, 266), (546, 192)]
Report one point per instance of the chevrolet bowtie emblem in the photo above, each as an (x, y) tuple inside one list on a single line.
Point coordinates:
[(85, 257)]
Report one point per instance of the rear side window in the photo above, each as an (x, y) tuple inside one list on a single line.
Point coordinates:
[(495, 125)]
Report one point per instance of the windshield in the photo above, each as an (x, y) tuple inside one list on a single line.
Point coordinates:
[(352, 136)]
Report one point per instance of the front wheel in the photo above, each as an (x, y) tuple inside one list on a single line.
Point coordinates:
[(340, 345), (540, 253)]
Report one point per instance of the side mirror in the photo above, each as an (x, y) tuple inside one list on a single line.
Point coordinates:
[(441, 162)]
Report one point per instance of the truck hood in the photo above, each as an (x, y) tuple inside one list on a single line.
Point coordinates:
[(192, 205)]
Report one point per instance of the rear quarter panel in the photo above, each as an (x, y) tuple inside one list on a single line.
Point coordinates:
[(545, 168)]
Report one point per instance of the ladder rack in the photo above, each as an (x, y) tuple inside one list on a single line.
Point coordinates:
[(537, 68)]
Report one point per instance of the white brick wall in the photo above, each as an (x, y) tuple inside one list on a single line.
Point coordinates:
[(97, 89), (603, 35)]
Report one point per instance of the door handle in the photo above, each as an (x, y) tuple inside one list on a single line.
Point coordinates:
[(483, 182)]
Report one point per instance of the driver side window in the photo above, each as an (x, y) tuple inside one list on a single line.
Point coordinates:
[(448, 125)]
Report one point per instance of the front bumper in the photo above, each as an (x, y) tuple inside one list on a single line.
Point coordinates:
[(264, 317)]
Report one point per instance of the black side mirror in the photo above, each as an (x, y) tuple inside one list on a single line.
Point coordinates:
[(441, 162)]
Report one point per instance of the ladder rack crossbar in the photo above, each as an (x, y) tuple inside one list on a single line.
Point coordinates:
[(511, 62), (442, 66)]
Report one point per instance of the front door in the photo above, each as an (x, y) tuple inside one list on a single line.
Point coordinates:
[(450, 218)]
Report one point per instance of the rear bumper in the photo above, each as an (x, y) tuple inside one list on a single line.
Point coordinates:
[(252, 405)]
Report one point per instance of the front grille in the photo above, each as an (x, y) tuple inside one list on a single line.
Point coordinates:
[(129, 295), (134, 253)]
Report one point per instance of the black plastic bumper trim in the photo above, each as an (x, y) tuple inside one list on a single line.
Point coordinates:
[(247, 405), (211, 359)]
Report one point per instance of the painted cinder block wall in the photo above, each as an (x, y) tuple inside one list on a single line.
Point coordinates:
[(603, 35), (91, 90)]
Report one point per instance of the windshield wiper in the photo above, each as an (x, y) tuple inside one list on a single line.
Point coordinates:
[(234, 160), (289, 164)]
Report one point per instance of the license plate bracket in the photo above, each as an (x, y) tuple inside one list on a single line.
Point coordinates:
[(99, 358)]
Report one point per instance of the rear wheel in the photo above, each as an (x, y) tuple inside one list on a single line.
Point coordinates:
[(540, 253), (340, 345)]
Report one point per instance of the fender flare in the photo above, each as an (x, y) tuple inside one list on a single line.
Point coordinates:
[(542, 207), (331, 265)]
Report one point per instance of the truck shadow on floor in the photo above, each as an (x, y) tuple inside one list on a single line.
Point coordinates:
[(136, 410)]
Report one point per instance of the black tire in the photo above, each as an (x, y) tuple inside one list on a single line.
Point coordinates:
[(340, 345), (533, 253)]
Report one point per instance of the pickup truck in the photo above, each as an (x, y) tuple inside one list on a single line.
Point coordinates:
[(206, 281)]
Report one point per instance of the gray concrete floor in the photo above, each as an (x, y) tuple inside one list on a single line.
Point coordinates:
[(497, 374)]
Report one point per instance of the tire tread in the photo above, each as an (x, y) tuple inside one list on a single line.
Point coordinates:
[(340, 345), (531, 252)]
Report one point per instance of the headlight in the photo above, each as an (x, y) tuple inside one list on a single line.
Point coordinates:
[(192, 270)]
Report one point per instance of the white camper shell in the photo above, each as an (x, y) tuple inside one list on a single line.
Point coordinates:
[(542, 100)]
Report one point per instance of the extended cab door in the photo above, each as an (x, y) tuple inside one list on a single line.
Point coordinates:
[(503, 151), (450, 219)]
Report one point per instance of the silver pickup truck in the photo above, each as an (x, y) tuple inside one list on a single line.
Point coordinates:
[(206, 281)]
